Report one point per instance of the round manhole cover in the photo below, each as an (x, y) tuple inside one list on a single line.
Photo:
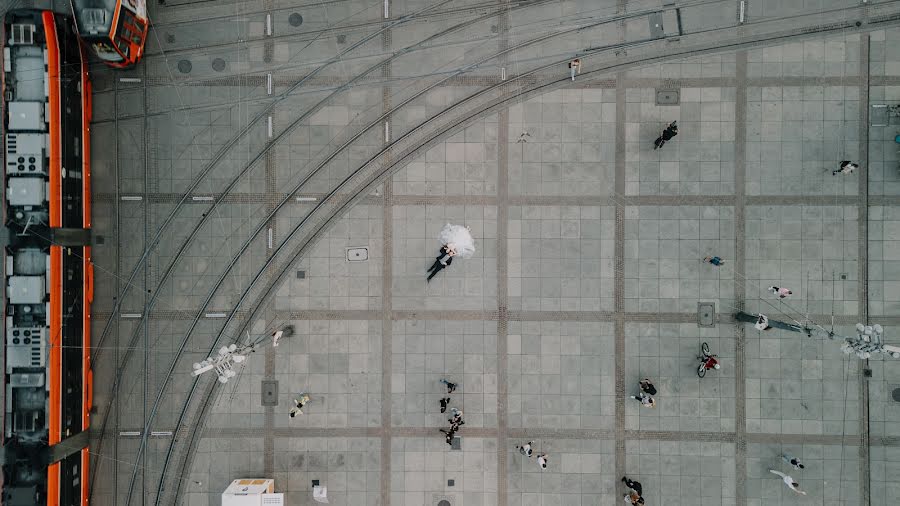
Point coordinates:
[(295, 19), (184, 66), (896, 394), (218, 64), (444, 503)]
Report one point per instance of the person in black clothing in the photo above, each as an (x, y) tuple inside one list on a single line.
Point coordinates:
[(668, 133), (442, 261), (633, 485), (450, 434), (647, 386), (444, 402)]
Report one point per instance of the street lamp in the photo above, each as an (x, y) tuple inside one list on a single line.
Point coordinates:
[(223, 362), (868, 341)]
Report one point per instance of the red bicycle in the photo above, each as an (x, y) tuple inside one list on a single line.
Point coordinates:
[(707, 360)]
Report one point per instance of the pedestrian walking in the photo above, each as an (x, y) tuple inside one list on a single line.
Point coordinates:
[(780, 292), (525, 449), (791, 484), (793, 461), (275, 337), (647, 386), (450, 435), (667, 134), (717, 261), (847, 167), (762, 322), (457, 420), (442, 261), (575, 67), (633, 498), (542, 460), (299, 402), (451, 387), (444, 402), (645, 400), (633, 485)]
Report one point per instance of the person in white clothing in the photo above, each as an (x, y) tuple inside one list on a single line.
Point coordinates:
[(542, 460), (791, 484), (847, 167), (525, 449), (762, 322), (275, 337)]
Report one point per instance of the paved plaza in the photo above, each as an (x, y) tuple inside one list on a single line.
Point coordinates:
[(588, 272)]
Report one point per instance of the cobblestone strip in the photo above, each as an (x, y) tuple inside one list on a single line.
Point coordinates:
[(387, 329), (534, 200), (545, 433), (472, 315), (269, 372), (288, 80), (740, 181), (502, 276), (619, 288), (863, 263), (387, 333)]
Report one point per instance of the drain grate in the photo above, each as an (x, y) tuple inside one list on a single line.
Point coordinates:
[(706, 314), (668, 97)]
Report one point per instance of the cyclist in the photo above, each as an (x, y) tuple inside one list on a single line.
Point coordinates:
[(710, 362)]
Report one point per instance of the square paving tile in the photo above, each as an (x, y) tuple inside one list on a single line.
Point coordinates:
[(561, 375), (667, 354)]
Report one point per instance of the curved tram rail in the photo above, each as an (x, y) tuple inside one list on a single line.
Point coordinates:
[(47, 261)]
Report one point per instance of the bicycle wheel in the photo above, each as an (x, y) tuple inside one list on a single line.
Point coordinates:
[(701, 371), (704, 348)]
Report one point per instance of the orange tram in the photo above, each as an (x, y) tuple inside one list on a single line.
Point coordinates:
[(47, 380), (115, 30)]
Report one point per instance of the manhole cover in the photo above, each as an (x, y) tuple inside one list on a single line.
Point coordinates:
[(706, 314), (269, 393), (896, 394), (444, 503), (341, 38), (667, 97), (170, 38), (218, 64), (295, 19), (184, 66)]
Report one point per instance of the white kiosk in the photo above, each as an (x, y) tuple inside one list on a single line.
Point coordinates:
[(252, 492)]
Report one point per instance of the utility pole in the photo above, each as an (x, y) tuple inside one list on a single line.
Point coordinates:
[(868, 340)]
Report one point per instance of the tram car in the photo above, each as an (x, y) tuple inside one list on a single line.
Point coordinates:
[(115, 30), (48, 275)]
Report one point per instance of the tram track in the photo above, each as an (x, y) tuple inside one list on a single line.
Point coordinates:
[(287, 240), (151, 245), (400, 161)]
